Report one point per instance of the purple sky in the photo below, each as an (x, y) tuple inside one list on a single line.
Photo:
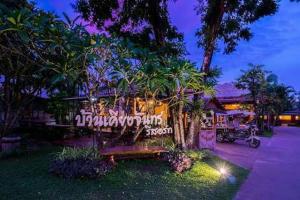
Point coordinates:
[(276, 41)]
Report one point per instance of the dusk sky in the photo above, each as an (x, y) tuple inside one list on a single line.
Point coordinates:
[(276, 41)]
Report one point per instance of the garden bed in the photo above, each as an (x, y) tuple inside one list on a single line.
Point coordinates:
[(27, 177)]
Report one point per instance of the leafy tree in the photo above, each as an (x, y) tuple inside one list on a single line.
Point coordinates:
[(183, 77), (138, 73), (142, 74), (297, 100), (16, 4), (144, 22), (20, 62), (37, 52), (269, 97), (278, 98), (228, 21), (254, 80), (66, 60)]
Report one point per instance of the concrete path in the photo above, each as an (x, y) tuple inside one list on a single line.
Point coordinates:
[(239, 152), (275, 173)]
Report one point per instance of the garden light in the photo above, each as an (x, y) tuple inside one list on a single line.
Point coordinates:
[(225, 175), (223, 171)]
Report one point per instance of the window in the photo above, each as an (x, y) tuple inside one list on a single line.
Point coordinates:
[(232, 106), (285, 117)]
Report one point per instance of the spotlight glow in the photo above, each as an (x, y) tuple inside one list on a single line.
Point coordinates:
[(223, 171)]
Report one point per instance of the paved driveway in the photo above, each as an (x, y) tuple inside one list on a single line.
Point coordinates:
[(275, 173), (240, 153)]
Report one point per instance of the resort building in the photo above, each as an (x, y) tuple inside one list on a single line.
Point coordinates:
[(234, 100), (291, 117)]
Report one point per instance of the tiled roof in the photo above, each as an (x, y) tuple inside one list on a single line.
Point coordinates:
[(229, 90)]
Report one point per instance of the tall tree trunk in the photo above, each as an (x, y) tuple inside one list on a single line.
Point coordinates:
[(10, 113), (192, 127), (10, 119), (181, 127), (176, 128), (180, 120), (212, 35), (159, 37), (213, 30), (155, 21), (190, 140), (207, 59), (191, 133)]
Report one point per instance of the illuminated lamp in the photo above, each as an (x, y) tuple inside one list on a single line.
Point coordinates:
[(285, 117), (223, 171)]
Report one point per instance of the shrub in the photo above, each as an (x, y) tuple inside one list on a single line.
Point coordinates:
[(79, 163), (166, 142), (178, 160), (69, 153), (181, 161), (198, 155)]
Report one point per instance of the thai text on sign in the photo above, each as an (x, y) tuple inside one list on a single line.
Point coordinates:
[(86, 118)]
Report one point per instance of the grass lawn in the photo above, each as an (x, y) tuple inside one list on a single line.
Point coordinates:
[(27, 177)]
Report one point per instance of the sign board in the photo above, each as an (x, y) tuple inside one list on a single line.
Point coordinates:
[(207, 136), (114, 119), (207, 139)]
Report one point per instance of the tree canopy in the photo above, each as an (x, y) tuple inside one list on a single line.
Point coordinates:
[(38, 52), (144, 22), (269, 97), (228, 22)]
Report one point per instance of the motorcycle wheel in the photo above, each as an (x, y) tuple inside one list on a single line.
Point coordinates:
[(254, 143), (220, 137)]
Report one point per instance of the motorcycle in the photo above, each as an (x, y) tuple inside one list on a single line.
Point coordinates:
[(247, 133)]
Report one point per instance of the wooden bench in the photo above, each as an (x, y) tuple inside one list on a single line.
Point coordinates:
[(131, 151)]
